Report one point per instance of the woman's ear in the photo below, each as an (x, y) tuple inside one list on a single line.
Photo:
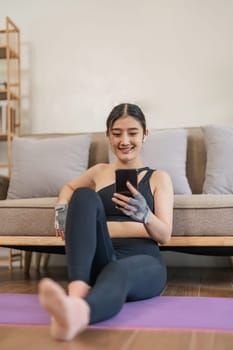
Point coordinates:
[(145, 135)]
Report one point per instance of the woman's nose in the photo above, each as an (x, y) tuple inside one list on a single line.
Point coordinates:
[(125, 139)]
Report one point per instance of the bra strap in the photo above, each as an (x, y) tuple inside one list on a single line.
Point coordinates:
[(139, 170)]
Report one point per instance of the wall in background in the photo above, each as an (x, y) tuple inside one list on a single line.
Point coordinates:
[(81, 57)]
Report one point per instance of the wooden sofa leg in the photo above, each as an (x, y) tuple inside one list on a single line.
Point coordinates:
[(27, 261), (42, 256), (38, 261), (46, 260), (231, 261)]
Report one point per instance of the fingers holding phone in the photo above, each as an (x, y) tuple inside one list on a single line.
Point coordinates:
[(122, 177)]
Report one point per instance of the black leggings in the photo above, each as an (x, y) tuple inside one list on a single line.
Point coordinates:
[(118, 269)]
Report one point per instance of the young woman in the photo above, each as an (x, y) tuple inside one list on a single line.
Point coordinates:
[(111, 239)]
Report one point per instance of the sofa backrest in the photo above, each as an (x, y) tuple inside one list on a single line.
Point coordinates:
[(196, 154), (196, 159)]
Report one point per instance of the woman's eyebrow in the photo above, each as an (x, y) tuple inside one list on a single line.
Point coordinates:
[(129, 129)]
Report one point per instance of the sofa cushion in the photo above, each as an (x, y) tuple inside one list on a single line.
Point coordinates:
[(167, 150), (203, 215), (194, 215), (27, 217), (40, 167), (219, 167)]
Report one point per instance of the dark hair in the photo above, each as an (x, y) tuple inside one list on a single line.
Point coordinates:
[(124, 110)]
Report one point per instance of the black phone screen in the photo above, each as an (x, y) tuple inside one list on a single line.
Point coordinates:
[(124, 175)]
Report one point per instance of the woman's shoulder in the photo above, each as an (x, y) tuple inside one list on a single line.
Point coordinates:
[(160, 173), (160, 176), (161, 181), (101, 167)]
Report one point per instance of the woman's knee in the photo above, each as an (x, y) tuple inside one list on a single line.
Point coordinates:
[(83, 191), (86, 199), (84, 194)]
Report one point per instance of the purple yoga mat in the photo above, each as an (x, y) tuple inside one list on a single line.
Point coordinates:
[(163, 312)]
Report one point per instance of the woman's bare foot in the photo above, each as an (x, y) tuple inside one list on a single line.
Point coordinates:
[(69, 315)]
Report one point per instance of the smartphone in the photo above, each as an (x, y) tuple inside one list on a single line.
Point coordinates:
[(124, 175)]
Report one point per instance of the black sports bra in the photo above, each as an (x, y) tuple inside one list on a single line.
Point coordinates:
[(106, 193)]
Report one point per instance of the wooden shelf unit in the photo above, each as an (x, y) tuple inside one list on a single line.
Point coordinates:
[(10, 87)]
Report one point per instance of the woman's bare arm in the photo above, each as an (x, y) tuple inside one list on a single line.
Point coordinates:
[(87, 179), (159, 225)]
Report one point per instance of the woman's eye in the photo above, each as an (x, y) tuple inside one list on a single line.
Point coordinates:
[(131, 134)]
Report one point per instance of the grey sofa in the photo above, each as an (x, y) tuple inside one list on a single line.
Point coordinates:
[(203, 223)]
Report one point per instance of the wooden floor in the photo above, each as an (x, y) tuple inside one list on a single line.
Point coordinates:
[(181, 282)]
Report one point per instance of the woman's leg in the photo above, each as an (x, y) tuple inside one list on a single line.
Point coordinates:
[(88, 245), (133, 278), (89, 248)]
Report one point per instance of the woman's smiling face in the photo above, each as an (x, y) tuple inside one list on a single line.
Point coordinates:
[(126, 138)]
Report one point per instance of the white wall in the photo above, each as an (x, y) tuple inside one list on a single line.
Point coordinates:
[(80, 57)]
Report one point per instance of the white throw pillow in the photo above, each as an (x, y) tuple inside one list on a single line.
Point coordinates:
[(40, 167), (219, 166), (167, 150)]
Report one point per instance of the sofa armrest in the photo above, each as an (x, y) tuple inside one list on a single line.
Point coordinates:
[(4, 184)]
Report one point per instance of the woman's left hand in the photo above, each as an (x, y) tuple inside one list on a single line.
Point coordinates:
[(60, 219), (136, 207)]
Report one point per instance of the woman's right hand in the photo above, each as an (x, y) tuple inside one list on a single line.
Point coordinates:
[(60, 219)]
